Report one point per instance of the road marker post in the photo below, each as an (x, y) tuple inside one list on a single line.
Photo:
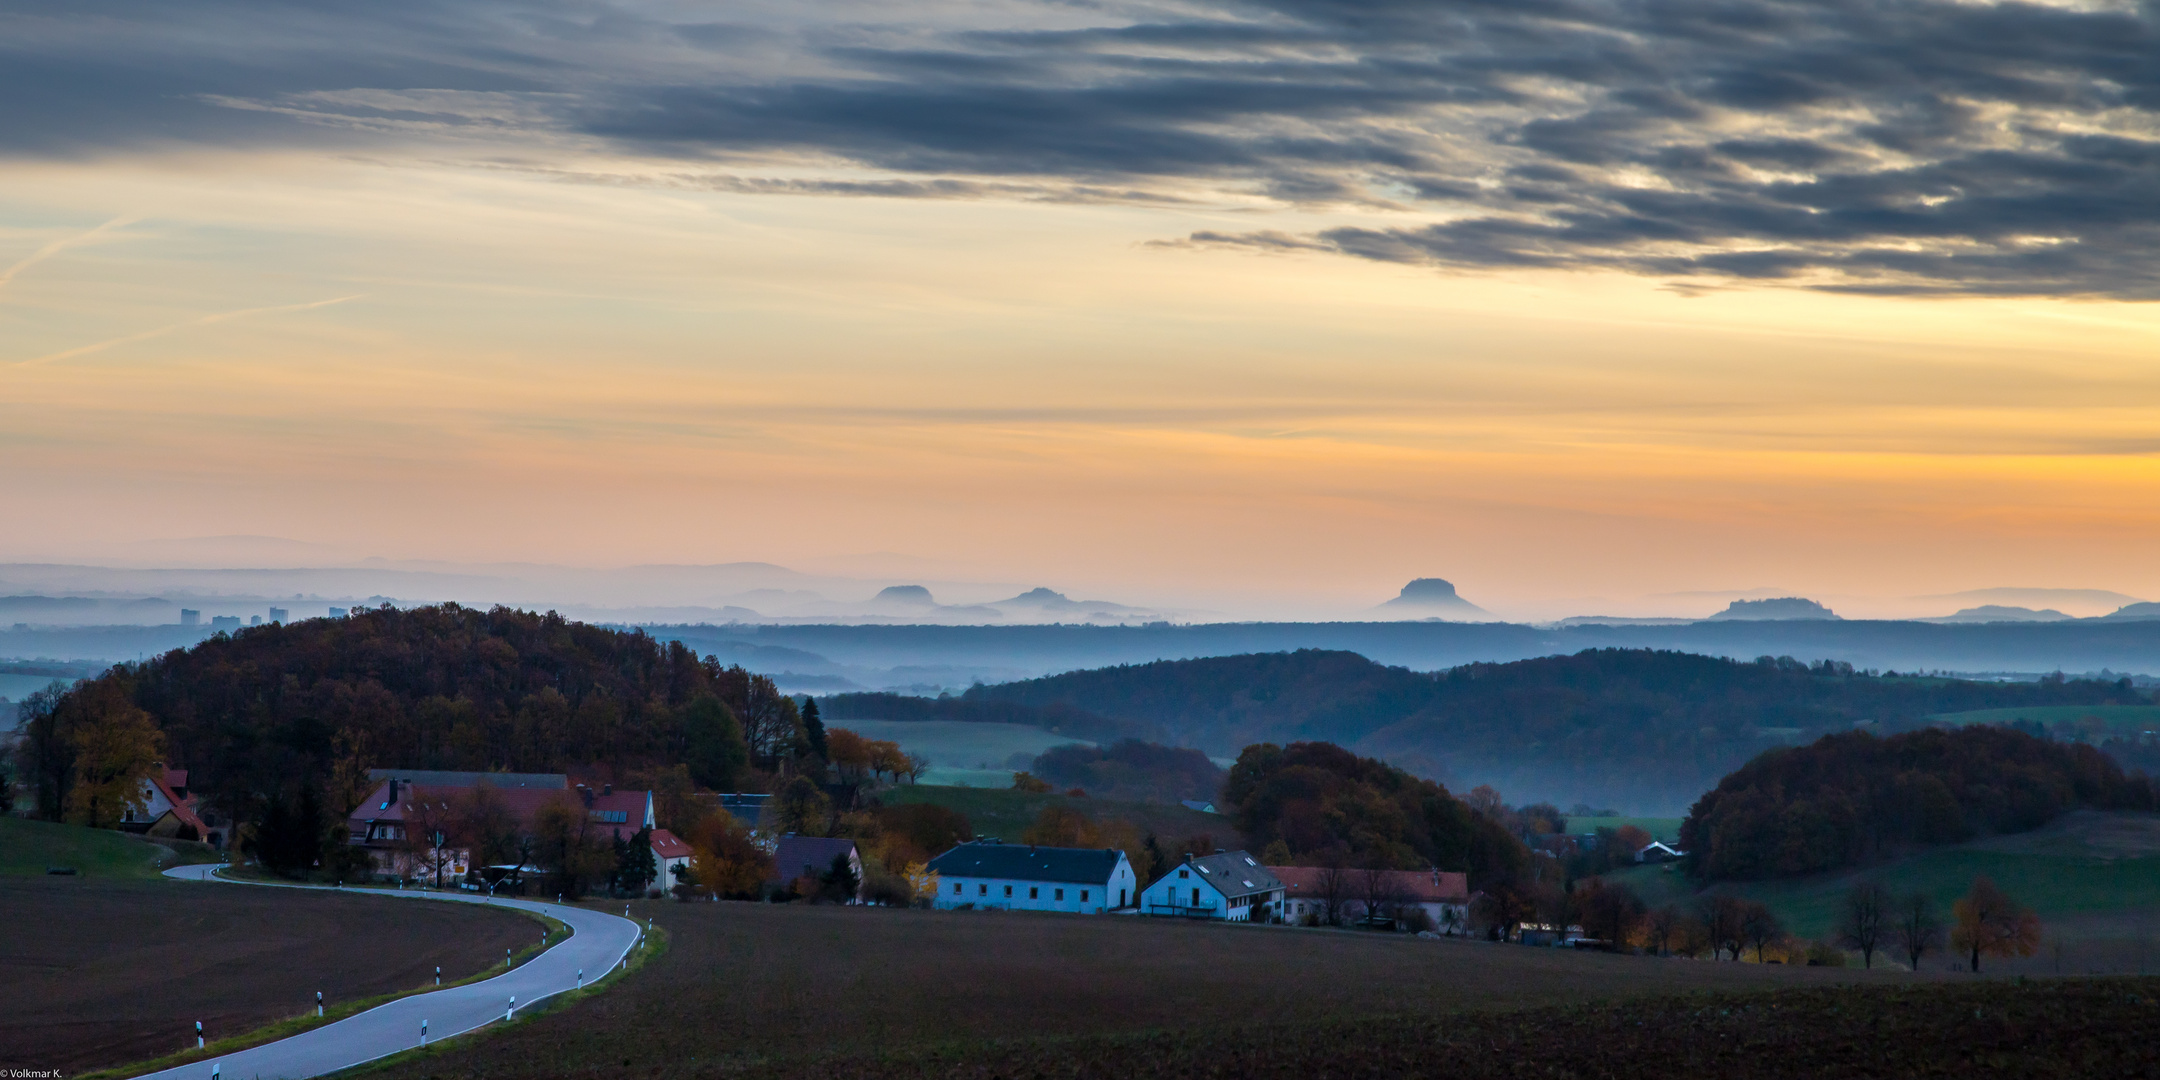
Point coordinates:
[(198, 1034), (318, 1004), (581, 978), (216, 1067), (507, 1013), (438, 974), (423, 1032)]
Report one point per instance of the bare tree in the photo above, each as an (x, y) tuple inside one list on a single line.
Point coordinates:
[(1661, 926), (1334, 883), (917, 765), (1720, 917), (1866, 920), (1760, 928), (1917, 929), (1373, 886)]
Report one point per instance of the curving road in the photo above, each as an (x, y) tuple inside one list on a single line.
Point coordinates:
[(598, 941)]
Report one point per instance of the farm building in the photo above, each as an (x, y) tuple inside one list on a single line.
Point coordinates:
[(1364, 895), (799, 857), (1657, 852), (1023, 877), (1228, 885)]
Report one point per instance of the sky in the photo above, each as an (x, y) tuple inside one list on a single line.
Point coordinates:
[(1259, 307)]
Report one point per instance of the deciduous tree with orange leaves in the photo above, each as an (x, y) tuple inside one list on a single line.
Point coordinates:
[(1987, 922)]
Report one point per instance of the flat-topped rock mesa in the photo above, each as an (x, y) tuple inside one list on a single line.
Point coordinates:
[(1781, 608), (1432, 598)]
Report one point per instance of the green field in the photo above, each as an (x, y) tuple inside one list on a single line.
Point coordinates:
[(31, 847), (2115, 717), (1659, 828), (1005, 813), (963, 754), (2086, 865)]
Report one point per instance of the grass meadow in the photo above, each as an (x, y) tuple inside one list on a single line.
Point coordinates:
[(2118, 718), (1005, 813), (963, 754), (33, 847)]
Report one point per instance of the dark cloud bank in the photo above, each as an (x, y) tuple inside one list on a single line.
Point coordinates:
[(1893, 146)]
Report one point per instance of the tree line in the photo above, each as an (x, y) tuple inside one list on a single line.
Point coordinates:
[(1852, 798)]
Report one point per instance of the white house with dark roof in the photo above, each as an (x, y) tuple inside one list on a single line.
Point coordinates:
[(1023, 877), (1229, 885)]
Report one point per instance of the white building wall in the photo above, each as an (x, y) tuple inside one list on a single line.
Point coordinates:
[(1176, 888), (1006, 894)]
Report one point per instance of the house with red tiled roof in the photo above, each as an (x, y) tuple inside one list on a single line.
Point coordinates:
[(1369, 895), (395, 822), (169, 811), (671, 858)]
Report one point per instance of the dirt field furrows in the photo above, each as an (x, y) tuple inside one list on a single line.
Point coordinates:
[(100, 973), (749, 983)]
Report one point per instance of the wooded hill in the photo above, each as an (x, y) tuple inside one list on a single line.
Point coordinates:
[(445, 687), (1646, 730), (1851, 799)]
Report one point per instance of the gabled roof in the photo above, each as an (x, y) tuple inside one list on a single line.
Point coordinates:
[(1232, 873), (1023, 862), (448, 778), (181, 808), (808, 856), (617, 815), (667, 845), (1420, 886)]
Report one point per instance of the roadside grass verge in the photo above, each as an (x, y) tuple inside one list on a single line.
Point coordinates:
[(653, 945), (32, 847)]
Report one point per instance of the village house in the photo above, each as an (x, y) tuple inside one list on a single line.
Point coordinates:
[(798, 857), (394, 824), (171, 812), (1228, 885), (1444, 896), (671, 858), (1024, 877)]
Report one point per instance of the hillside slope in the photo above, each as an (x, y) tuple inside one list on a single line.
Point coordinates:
[(1642, 730)]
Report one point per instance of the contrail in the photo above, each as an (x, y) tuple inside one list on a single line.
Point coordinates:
[(54, 248), (206, 320)]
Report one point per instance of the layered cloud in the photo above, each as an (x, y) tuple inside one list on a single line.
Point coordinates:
[(1892, 146)]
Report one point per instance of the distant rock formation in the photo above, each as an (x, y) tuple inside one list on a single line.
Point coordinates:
[(1784, 607), (1432, 598), (1045, 600), (2129, 612), (906, 595), (1987, 613)]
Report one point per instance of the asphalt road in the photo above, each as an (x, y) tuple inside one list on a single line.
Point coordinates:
[(598, 941)]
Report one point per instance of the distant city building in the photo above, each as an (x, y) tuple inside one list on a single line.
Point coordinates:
[(279, 615), (254, 620), (190, 617), (337, 613), (224, 622)]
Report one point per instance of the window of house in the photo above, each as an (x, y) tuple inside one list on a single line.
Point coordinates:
[(1058, 895), (1034, 894), (1184, 873), (1008, 890), (1083, 896), (956, 887), (982, 890)]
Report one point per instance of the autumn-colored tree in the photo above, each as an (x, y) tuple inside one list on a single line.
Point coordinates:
[(919, 832), (1029, 784), (800, 807), (564, 843), (725, 862), (1502, 907), (887, 759), (922, 882), (1610, 911), (1865, 921), (1987, 922), (483, 824), (848, 752), (116, 748), (1060, 826)]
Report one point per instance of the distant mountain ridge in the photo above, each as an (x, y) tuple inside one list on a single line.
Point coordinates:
[(1433, 598), (1643, 729), (1783, 607)]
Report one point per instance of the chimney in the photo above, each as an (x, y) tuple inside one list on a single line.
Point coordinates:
[(393, 791), (585, 793), (1188, 858), (607, 789)]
